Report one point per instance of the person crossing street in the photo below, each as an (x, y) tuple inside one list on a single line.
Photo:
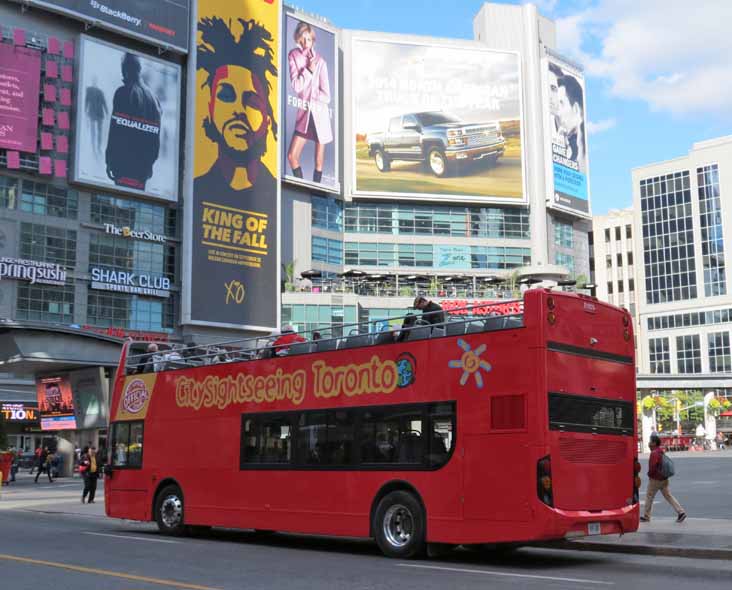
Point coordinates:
[(658, 481)]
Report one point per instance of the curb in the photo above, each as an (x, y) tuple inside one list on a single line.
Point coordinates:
[(661, 551)]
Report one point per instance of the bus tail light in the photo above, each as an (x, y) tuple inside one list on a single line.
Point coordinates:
[(544, 481), (551, 318), (636, 481)]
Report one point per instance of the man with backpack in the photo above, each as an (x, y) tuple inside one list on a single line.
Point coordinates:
[(660, 469)]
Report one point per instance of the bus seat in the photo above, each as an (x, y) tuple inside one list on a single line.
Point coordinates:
[(325, 345), (384, 338), (301, 348), (456, 328), (494, 323), (419, 333), (474, 327), (410, 449), (438, 331), (355, 341), (514, 321)]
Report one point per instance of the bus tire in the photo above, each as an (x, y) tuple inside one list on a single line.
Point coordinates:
[(169, 511), (400, 525)]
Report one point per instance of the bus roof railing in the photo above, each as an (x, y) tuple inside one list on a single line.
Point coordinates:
[(466, 319)]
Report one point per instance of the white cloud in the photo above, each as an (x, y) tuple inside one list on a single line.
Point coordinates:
[(673, 54), (546, 7), (594, 127)]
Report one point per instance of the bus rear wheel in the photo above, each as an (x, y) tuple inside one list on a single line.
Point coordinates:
[(399, 525), (169, 511)]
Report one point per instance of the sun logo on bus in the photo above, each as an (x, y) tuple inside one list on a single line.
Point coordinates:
[(471, 363)]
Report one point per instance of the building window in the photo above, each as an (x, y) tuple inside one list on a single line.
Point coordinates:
[(566, 260), (712, 239), (118, 253), (563, 234), (590, 239), (620, 286), (46, 303), (631, 285), (668, 238), (48, 244), (719, 352), (608, 261), (607, 235), (660, 356), (8, 192), (327, 213), (138, 215), (688, 354), (46, 199), (327, 319), (327, 250), (628, 232), (609, 287), (630, 259), (132, 312), (619, 258), (617, 233), (395, 219)]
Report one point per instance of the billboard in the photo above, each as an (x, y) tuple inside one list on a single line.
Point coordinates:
[(233, 217), (310, 146), (18, 412), (55, 403), (565, 131), (163, 22), (127, 121), (20, 81), (436, 122), (91, 397)]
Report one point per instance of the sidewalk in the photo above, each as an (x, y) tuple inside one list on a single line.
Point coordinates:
[(700, 538), (63, 496)]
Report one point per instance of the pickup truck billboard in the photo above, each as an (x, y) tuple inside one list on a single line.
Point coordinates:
[(436, 122), (565, 132)]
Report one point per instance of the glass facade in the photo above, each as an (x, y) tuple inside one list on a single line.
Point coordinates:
[(45, 303), (566, 260), (328, 319), (397, 219), (694, 318), (719, 352), (668, 238), (119, 253), (47, 199), (138, 215), (688, 354), (48, 244), (563, 234), (8, 191), (327, 213), (424, 256), (327, 250), (712, 239), (132, 312)]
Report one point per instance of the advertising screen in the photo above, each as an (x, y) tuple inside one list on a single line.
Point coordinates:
[(310, 109), (17, 412), (234, 255), (20, 80), (55, 403), (163, 22), (436, 121), (565, 129), (91, 397), (127, 121)]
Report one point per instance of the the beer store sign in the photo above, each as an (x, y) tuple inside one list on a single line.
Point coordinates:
[(128, 232), (43, 273), (130, 282), (18, 412)]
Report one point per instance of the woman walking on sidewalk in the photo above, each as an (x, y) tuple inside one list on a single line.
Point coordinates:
[(658, 482), (90, 472)]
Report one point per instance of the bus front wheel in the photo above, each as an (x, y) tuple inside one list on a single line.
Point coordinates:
[(169, 511), (399, 525)]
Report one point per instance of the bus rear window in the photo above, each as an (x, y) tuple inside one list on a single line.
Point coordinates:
[(576, 413), (127, 444)]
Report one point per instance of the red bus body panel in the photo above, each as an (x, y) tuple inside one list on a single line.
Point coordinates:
[(486, 492)]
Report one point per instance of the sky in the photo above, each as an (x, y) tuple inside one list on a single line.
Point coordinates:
[(658, 72)]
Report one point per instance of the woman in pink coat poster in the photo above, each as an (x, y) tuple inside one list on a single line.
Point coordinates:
[(310, 84)]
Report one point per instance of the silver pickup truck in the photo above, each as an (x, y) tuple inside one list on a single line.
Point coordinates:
[(438, 139)]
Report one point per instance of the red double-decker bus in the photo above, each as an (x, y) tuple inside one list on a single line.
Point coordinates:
[(491, 429)]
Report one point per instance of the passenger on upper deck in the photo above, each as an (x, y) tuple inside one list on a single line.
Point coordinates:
[(431, 311), (282, 344), (146, 363)]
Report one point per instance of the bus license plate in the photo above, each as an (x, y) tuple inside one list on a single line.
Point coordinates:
[(594, 528)]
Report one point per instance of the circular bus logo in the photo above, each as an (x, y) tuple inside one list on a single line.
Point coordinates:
[(135, 396), (406, 369)]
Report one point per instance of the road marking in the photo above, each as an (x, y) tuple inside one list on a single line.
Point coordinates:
[(91, 570), (507, 574), (131, 537)]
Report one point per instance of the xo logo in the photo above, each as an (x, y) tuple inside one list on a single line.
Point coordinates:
[(235, 292)]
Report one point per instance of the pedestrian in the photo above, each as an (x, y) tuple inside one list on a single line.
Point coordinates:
[(36, 459), (44, 464), (658, 482), (13, 464), (431, 311), (90, 471)]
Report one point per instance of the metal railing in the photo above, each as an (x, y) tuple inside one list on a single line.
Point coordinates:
[(463, 320)]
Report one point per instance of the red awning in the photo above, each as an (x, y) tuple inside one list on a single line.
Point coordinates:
[(728, 413)]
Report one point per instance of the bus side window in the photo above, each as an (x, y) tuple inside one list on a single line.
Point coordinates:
[(127, 439)]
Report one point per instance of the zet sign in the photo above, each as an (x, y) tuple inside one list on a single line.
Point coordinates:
[(130, 282)]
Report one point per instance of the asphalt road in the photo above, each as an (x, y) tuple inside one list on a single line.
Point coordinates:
[(702, 484)]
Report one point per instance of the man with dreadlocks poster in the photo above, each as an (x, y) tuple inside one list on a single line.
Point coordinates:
[(235, 256)]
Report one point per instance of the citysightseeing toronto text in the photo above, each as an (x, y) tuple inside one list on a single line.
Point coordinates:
[(374, 376)]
